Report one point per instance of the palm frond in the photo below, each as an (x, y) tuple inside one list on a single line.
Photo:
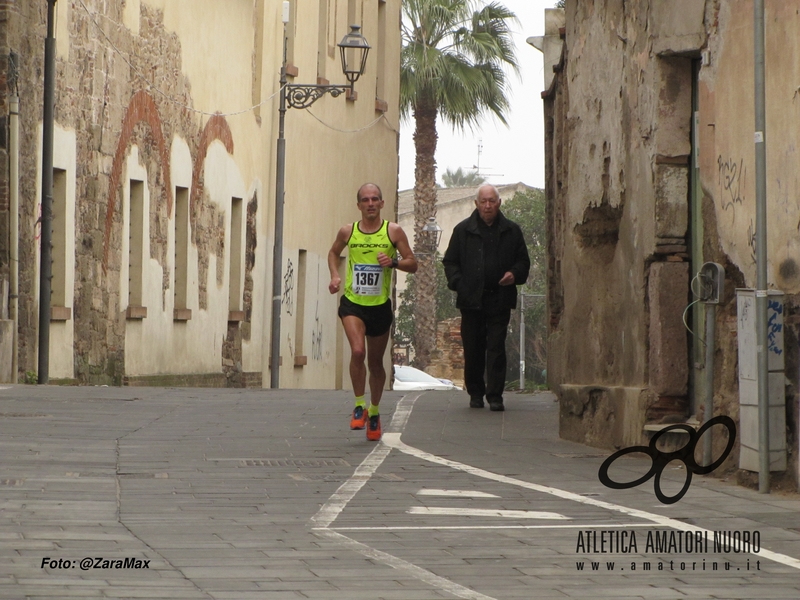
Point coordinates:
[(454, 52)]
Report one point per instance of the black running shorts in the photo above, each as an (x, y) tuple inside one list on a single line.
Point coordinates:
[(377, 319)]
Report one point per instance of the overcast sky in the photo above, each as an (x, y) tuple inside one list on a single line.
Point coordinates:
[(508, 154)]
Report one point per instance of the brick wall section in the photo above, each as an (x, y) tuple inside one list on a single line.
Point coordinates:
[(251, 241), (142, 108), (208, 225), (216, 129), (447, 360)]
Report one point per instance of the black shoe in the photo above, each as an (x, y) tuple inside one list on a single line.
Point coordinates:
[(497, 406), (475, 402)]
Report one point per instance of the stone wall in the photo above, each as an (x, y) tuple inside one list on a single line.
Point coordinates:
[(650, 173), (447, 360)]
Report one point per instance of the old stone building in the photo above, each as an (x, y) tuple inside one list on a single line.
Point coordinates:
[(650, 166), (164, 179)]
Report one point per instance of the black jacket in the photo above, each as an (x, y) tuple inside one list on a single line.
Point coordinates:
[(463, 261)]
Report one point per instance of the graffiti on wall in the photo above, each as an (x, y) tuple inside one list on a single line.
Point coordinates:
[(316, 336), (774, 326), (751, 239), (732, 177), (288, 287)]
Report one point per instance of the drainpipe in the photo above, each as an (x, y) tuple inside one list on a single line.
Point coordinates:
[(708, 412), (45, 256), (761, 249), (14, 242), (522, 343)]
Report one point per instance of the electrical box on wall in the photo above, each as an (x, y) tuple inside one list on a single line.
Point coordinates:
[(712, 282), (748, 381)]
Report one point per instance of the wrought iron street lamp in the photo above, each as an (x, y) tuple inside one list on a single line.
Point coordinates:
[(354, 50), (431, 235)]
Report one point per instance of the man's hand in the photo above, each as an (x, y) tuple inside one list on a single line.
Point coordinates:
[(333, 286), (508, 279), (384, 260)]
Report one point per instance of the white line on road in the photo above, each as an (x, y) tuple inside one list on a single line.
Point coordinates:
[(441, 583), (391, 440), (484, 512), (456, 493), (438, 527)]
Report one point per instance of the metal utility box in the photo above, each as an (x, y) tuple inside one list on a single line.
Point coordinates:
[(748, 381), (712, 281)]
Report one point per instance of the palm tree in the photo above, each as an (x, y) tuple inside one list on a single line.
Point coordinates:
[(451, 65), (461, 178)]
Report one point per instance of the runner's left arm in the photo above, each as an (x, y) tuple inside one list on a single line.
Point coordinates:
[(334, 253), (407, 261)]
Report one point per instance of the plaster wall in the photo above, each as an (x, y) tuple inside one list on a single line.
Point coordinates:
[(62, 330), (727, 144), (608, 212), (349, 142), (157, 344)]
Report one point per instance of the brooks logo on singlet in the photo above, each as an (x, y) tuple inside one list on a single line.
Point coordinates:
[(367, 283)]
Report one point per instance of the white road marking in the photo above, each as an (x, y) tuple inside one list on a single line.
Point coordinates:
[(456, 493), (441, 583), (484, 512), (442, 527), (391, 440), (347, 491)]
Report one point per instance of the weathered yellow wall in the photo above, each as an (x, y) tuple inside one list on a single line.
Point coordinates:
[(187, 96)]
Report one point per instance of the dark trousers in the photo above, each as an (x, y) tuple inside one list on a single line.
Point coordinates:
[(483, 333)]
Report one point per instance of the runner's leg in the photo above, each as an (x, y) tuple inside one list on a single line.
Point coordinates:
[(355, 330), (376, 348)]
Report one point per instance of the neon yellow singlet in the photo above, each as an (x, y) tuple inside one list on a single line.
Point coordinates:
[(366, 282)]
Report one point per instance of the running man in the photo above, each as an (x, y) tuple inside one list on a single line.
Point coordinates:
[(375, 246)]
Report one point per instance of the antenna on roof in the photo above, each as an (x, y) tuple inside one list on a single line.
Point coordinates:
[(477, 167)]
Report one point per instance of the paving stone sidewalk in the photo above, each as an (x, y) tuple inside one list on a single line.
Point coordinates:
[(245, 494)]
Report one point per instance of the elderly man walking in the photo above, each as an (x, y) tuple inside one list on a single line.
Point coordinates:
[(486, 259)]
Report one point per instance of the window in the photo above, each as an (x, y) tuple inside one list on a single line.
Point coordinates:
[(322, 39), (299, 320), (136, 243), (380, 51), (236, 256), (181, 294), (59, 239)]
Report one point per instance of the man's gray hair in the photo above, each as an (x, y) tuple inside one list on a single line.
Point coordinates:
[(487, 185)]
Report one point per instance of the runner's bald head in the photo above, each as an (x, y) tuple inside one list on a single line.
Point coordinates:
[(368, 185)]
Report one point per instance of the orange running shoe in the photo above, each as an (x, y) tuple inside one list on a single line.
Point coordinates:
[(374, 428), (359, 418)]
